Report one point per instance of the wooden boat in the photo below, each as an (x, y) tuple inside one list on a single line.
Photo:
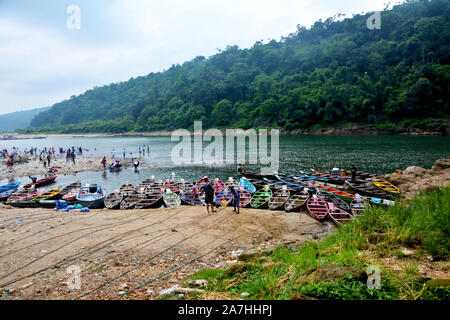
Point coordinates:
[(144, 184), (25, 201), (71, 197), (386, 186), (296, 201), (247, 185), (225, 195), (317, 207), (127, 188), (151, 200), (279, 199), (261, 198), (187, 198), (131, 201), (339, 216), (218, 185), (172, 185), (258, 184), (186, 187), (367, 189), (175, 177), (115, 168), (53, 194), (380, 201), (10, 186), (357, 207), (256, 175), (338, 202), (42, 182), (91, 196), (6, 194), (339, 193), (19, 194), (244, 197), (47, 203), (113, 200), (70, 188), (171, 199), (156, 187)]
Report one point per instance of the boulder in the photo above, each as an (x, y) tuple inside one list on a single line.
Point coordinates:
[(441, 164), (418, 171), (328, 273)]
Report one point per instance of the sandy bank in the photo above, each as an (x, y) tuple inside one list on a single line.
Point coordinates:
[(122, 249)]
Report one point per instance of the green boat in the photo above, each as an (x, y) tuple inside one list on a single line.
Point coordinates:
[(261, 198), (171, 199)]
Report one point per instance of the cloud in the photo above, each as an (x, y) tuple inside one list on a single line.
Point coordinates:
[(43, 62)]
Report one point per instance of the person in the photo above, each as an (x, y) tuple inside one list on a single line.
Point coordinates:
[(103, 162), (195, 191), (9, 164), (239, 168), (208, 189), (353, 174), (124, 153), (73, 157), (236, 199), (136, 164), (49, 158), (113, 153), (315, 167), (33, 179), (44, 160)]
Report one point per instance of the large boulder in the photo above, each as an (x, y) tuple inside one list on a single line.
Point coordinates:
[(441, 164), (417, 171)]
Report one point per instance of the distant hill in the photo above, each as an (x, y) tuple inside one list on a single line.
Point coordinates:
[(18, 120), (336, 71)]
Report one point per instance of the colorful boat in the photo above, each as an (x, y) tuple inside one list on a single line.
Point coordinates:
[(188, 198), (172, 185), (144, 184), (339, 216), (171, 199), (52, 194), (113, 200), (10, 186), (339, 193), (156, 187), (296, 201), (317, 207), (338, 202), (25, 201), (247, 185), (367, 189), (244, 197), (41, 182), (278, 199), (70, 188), (218, 185), (175, 177), (6, 194), (91, 196), (357, 207), (127, 188), (225, 195), (261, 198), (386, 186)]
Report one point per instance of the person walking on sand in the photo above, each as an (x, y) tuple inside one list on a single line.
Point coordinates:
[(236, 199), (49, 158), (195, 191), (73, 157), (208, 189)]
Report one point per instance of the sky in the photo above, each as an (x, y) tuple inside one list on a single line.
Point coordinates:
[(43, 61)]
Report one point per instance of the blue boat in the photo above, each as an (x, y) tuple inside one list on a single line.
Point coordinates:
[(247, 185), (91, 196), (5, 195), (7, 187)]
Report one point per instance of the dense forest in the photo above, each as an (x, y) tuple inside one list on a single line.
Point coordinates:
[(337, 71), (19, 119)]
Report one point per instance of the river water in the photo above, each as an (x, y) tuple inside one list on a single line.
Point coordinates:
[(375, 154)]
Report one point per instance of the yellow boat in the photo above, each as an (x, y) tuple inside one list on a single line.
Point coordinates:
[(48, 195), (386, 186)]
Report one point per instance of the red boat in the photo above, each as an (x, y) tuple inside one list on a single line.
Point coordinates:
[(41, 182), (317, 208)]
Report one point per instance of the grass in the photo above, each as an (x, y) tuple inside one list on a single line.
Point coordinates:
[(377, 238)]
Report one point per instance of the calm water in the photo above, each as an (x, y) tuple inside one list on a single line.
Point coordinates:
[(377, 154)]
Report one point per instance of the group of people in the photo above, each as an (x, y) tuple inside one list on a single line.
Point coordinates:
[(141, 150), (208, 190)]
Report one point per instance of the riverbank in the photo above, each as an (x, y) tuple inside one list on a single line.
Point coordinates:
[(120, 250), (427, 127), (404, 250), (33, 167)]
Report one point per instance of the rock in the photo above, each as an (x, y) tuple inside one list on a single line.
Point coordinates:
[(180, 296), (245, 294), (418, 171), (331, 273), (301, 296), (198, 283), (438, 283), (441, 164), (408, 252)]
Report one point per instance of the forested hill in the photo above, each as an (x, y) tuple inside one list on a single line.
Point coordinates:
[(336, 71), (19, 119)]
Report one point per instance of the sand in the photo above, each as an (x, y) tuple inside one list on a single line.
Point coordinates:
[(125, 249)]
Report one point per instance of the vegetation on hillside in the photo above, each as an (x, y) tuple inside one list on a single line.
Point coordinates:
[(336, 71), (17, 120), (378, 238)]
